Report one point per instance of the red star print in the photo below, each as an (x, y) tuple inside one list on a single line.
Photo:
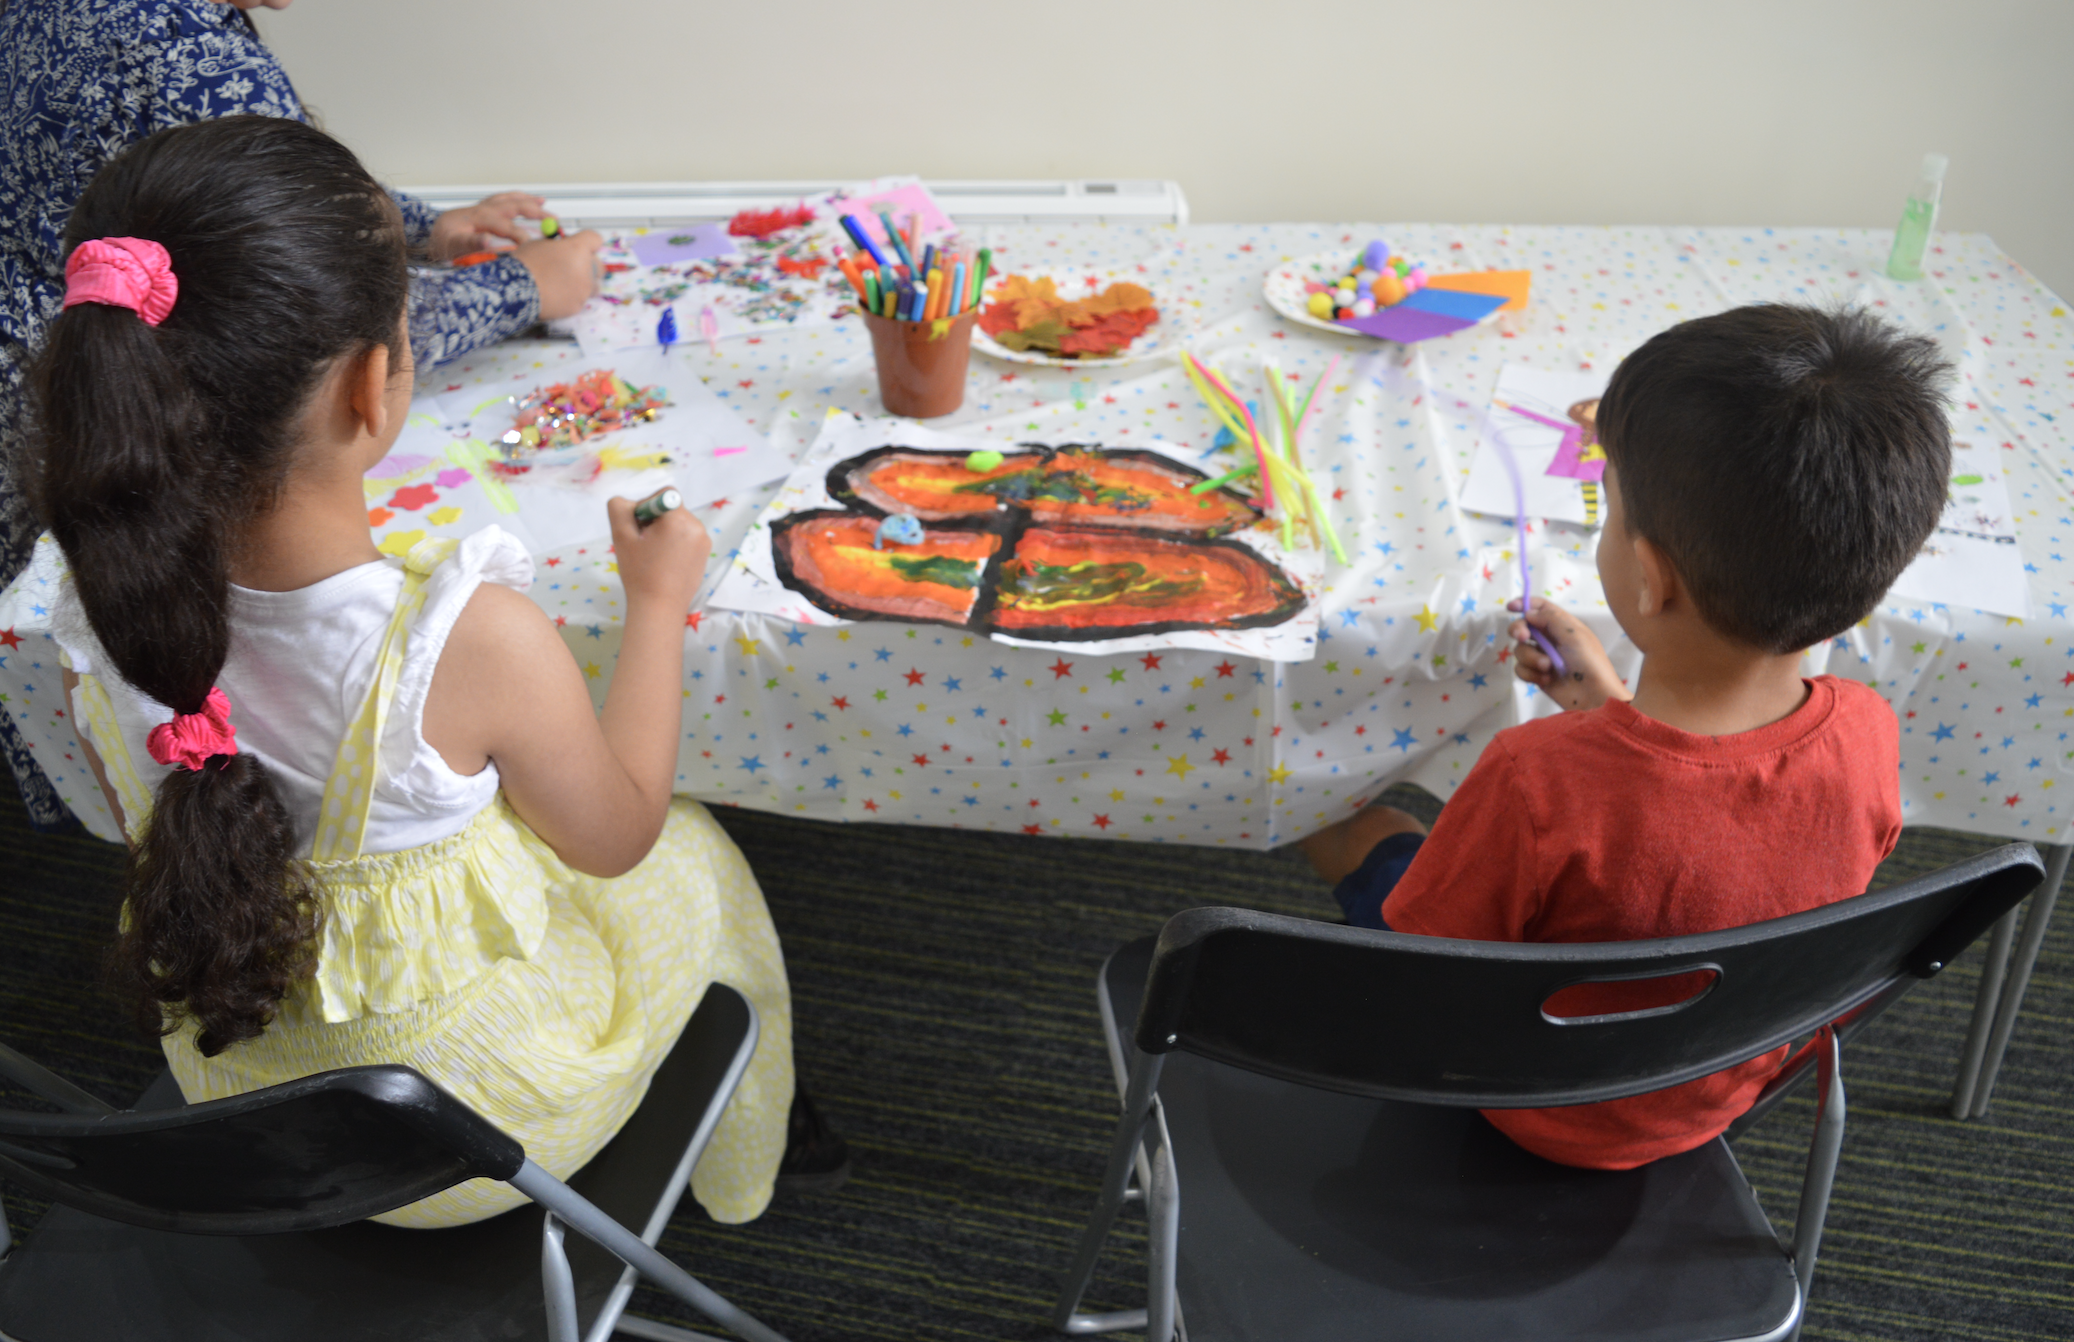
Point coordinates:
[(922, 760), (1339, 493), (1361, 731), (2011, 801), (840, 702), (746, 382), (1225, 669), (1034, 802), (561, 620), (1151, 660), (692, 620), (1060, 669), (1221, 757), (1033, 829), (9, 638), (719, 698), (552, 562), (1249, 740), (1101, 822), (870, 805), (915, 677), (1159, 726)]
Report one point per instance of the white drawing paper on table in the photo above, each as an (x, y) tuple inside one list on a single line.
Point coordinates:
[(1972, 560), (451, 472), (785, 279), (1539, 413), (1068, 546)]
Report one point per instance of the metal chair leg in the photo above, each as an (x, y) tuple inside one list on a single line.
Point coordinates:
[(2021, 964), (1992, 969), (1820, 1176), (562, 1200), (557, 1282), (1985, 1046), (1162, 1242), (1137, 1107)]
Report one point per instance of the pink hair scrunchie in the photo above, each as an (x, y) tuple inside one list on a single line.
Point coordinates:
[(190, 739), (133, 273)]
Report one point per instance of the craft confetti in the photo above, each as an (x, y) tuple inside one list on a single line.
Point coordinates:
[(567, 413)]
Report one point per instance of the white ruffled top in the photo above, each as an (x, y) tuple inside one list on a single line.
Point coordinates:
[(300, 665)]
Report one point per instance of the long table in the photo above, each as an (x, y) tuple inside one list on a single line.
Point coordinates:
[(921, 725)]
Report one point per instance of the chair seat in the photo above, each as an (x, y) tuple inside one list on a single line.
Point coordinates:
[(80, 1278), (1307, 1214)]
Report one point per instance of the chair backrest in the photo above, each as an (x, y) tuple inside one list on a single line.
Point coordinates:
[(315, 1152), (1464, 1022)]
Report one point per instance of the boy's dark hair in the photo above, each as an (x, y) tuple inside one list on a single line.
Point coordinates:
[(1790, 461), (153, 447)]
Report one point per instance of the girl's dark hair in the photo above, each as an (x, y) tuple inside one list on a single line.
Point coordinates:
[(1791, 461), (152, 449)]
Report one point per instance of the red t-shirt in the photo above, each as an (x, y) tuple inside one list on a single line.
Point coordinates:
[(1610, 826)]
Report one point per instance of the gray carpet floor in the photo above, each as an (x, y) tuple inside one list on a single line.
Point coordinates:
[(946, 1020)]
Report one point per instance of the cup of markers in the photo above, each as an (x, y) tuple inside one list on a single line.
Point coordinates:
[(919, 303)]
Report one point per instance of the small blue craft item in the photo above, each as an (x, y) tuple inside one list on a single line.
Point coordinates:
[(900, 528), (666, 329), (1224, 438)]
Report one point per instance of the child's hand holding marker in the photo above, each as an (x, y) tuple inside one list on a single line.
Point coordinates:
[(661, 548), (1589, 681), (477, 227), (566, 269)]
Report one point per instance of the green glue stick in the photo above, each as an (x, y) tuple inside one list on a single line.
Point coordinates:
[(1918, 218), (656, 504)]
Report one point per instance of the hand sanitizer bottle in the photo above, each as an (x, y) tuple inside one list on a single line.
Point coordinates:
[(1918, 217)]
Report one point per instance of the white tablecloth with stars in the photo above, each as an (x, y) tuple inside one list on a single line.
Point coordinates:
[(921, 725)]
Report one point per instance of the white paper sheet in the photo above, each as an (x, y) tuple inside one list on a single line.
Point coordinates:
[(747, 292), (1972, 559), (437, 481), (752, 584), (1489, 488)]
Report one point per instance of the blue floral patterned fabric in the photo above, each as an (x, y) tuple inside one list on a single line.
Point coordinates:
[(82, 80)]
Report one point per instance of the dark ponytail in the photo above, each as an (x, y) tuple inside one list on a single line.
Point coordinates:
[(153, 448)]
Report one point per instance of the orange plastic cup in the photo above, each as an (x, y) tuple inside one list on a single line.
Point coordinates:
[(922, 364)]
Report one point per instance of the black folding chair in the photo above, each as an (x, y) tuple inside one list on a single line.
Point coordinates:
[(1315, 1089), (244, 1218)]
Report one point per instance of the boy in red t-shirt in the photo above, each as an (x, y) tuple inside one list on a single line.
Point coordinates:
[(1771, 470)]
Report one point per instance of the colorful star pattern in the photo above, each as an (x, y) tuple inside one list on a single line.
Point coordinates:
[(1412, 677)]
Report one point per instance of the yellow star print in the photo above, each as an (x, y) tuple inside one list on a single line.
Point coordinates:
[(1279, 774), (750, 646), (1180, 767), (1426, 618)]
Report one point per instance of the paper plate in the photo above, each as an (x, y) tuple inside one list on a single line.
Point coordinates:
[(1285, 291), (1162, 337)]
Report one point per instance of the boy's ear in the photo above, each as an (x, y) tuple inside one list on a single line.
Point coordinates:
[(1659, 578), (367, 385)]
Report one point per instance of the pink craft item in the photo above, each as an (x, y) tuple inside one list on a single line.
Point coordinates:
[(133, 273), (190, 739), (1569, 458)]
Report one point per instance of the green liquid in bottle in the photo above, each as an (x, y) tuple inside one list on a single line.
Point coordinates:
[(1912, 239)]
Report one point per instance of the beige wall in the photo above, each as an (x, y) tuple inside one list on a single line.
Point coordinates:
[(1631, 111)]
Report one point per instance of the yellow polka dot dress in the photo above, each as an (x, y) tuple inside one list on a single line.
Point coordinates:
[(543, 998)]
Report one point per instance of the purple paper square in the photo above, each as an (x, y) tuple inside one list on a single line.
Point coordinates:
[(1406, 324), (666, 246)]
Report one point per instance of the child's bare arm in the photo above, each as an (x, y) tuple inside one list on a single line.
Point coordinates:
[(595, 786), (93, 757), (1590, 681)]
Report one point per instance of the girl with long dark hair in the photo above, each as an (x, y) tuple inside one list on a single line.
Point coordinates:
[(373, 815)]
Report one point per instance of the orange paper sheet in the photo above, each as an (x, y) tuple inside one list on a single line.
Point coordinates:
[(1512, 285)]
